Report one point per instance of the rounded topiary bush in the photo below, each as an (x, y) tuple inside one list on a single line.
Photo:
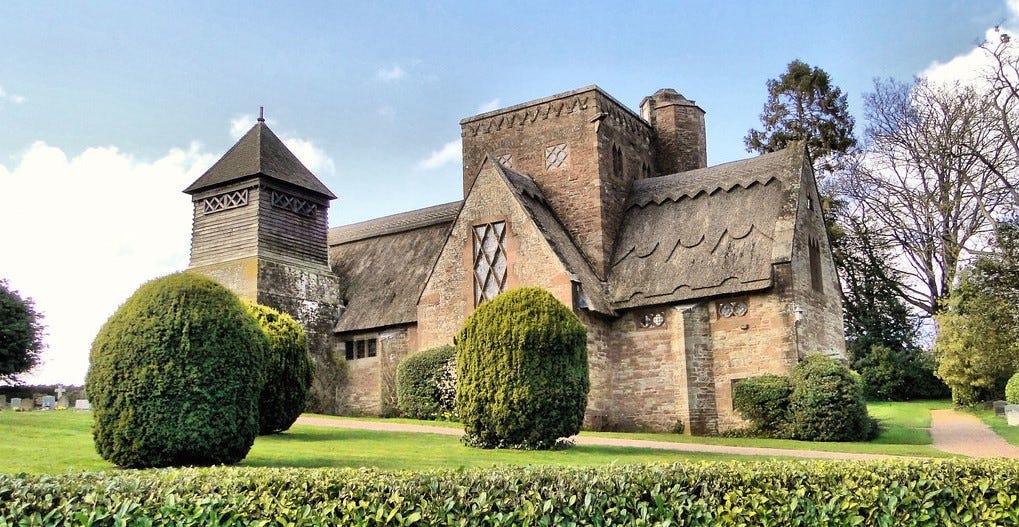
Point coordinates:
[(522, 373), (288, 369), (826, 402), (764, 401), (1012, 389), (175, 375), (418, 383)]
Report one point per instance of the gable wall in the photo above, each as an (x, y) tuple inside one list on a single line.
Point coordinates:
[(821, 329), (588, 204), (448, 296)]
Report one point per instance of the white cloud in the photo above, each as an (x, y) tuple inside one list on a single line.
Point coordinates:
[(14, 98), (489, 106), (394, 73), (968, 67), (449, 153), (85, 231), (311, 155), (240, 125)]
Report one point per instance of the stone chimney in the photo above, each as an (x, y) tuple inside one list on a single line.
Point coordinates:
[(679, 144)]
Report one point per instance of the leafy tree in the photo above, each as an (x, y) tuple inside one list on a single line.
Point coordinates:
[(288, 370), (804, 105), (920, 198), (522, 371), (21, 332), (977, 346), (175, 376)]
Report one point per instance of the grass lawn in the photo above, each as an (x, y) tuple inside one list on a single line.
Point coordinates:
[(52, 442), (905, 431)]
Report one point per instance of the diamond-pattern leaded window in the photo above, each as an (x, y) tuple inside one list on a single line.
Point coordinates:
[(489, 261)]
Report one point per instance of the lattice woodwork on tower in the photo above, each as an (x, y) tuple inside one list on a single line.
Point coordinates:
[(294, 204), (230, 200)]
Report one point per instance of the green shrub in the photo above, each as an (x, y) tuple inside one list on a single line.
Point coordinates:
[(899, 375), (764, 401), (522, 371), (1012, 389), (901, 493), (418, 379), (288, 369), (174, 376), (826, 402)]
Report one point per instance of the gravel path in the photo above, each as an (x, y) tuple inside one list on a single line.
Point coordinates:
[(339, 422), (951, 431), (961, 433)]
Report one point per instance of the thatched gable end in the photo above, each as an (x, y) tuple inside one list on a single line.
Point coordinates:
[(707, 232), (382, 265)]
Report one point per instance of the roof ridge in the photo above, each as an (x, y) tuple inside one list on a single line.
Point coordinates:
[(394, 223)]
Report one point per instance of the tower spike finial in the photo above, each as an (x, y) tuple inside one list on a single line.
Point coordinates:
[(261, 114)]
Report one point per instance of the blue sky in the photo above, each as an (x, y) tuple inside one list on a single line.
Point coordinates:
[(109, 109)]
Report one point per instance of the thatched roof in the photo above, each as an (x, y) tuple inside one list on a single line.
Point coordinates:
[(259, 152), (383, 263), (533, 201), (706, 232)]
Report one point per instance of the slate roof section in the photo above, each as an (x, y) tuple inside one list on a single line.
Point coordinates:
[(706, 232), (383, 264), (260, 152), (534, 203)]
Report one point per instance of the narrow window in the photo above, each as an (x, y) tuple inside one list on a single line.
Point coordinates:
[(815, 265), (349, 349), (372, 347), (360, 349), (489, 261), (617, 162)]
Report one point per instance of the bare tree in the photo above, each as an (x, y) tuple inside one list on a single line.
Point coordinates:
[(927, 184), (1001, 85)]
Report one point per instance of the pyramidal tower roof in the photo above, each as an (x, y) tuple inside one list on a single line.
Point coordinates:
[(259, 152)]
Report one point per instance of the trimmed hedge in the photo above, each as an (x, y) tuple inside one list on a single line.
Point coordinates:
[(417, 383), (827, 404), (764, 401), (522, 374), (899, 493), (174, 376), (288, 369), (1012, 390)]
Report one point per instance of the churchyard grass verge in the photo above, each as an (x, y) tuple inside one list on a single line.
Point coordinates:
[(997, 423), (53, 442), (56, 442)]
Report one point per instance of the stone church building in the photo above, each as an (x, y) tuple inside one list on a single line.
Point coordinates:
[(689, 278)]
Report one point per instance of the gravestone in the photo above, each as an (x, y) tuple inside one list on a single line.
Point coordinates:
[(48, 402), (3, 402), (82, 404), (999, 407), (60, 391), (62, 402), (16, 403), (27, 404)]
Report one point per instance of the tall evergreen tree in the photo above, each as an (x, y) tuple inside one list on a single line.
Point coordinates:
[(803, 104)]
